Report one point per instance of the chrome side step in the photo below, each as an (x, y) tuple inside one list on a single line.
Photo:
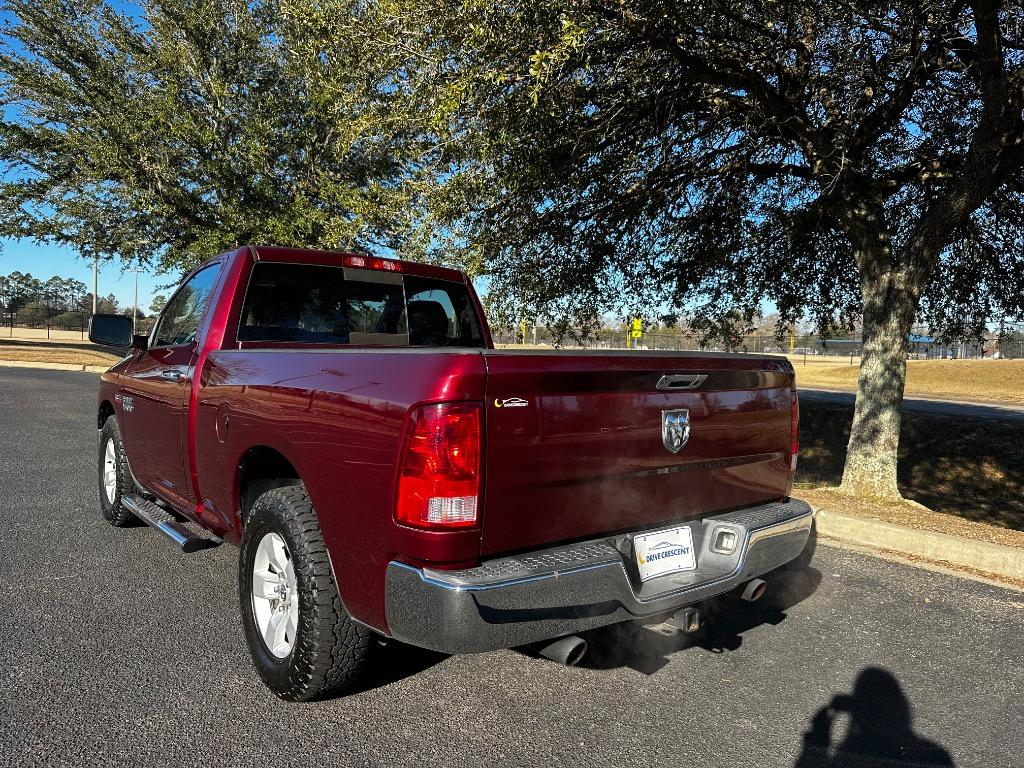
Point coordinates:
[(159, 518)]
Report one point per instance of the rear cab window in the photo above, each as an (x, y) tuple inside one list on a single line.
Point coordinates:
[(316, 304)]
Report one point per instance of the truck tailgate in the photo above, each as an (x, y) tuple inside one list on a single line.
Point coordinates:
[(575, 445)]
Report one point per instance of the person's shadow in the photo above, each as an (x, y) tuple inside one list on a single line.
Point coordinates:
[(879, 732)]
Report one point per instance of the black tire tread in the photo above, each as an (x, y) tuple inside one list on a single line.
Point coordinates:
[(116, 513), (331, 649)]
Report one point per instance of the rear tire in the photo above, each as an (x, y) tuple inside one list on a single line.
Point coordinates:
[(115, 478), (288, 594)]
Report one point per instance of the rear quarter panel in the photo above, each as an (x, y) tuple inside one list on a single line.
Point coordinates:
[(338, 416)]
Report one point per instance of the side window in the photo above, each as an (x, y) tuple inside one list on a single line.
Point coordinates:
[(179, 321)]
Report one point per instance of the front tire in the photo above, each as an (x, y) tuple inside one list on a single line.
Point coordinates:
[(303, 642), (115, 477)]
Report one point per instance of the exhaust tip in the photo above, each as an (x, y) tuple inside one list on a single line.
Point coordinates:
[(576, 655), (753, 590), (566, 650)]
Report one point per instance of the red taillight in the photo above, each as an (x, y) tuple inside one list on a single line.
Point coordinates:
[(439, 484), (372, 262), (794, 431)]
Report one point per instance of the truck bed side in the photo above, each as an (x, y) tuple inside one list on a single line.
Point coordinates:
[(336, 416)]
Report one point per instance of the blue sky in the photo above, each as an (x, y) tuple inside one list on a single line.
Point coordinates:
[(44, 261)]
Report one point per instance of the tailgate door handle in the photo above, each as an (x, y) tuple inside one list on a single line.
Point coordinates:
[(681, 380)]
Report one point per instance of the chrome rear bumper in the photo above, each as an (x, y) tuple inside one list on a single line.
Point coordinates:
[(540, 595)]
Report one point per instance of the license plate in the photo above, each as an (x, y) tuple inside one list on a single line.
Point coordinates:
[(664, 552)]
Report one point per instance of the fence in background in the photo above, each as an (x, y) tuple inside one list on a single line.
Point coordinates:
[(32, 324), (811, 347)]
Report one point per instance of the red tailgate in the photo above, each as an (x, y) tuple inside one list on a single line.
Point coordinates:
[(575, 445)]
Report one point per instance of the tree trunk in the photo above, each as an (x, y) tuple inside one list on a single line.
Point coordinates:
[(871, 454)]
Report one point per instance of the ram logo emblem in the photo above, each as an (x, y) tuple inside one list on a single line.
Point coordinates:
[(675, 429)]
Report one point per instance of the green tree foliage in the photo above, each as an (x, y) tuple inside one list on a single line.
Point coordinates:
[(107, 305), (69, 320), (842, 158), (20, 289), (197, 126), (33, 313), (157, 305)]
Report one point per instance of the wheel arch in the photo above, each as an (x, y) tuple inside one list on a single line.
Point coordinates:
[(263, 468), (260, 469), (106, 410)]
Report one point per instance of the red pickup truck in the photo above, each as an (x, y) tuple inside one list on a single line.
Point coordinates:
[(388, 472)]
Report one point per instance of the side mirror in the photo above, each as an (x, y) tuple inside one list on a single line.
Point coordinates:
[(140, 342), (111, 330)]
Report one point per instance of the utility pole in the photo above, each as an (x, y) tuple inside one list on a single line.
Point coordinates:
[(135, 306), (95, 282)]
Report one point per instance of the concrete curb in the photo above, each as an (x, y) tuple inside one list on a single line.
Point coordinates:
[(996, 559), (52, 366)]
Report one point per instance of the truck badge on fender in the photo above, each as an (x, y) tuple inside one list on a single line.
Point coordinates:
[(675, 429)]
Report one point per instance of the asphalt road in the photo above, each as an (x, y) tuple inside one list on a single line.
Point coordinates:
[(923, 405), (115, 649)]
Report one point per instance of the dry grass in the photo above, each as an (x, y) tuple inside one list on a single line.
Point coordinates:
[(68, 353), (41, 334), (910, 514), (994, 381), (970, 468), (800, 361)]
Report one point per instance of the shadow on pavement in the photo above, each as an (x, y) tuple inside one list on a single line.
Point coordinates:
[(879, 732), (394, 661), (726, 619)]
